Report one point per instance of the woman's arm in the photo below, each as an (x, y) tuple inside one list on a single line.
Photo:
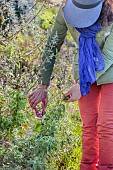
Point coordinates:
[(53, 46)]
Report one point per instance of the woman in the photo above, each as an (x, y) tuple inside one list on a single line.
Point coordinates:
[(92, 22)]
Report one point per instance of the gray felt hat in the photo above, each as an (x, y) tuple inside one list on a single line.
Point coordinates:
[(82, 13)]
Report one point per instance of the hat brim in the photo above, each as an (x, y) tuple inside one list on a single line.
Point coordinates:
[(81, 18)]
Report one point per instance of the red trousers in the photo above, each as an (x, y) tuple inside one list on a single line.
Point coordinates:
[(96, 110)]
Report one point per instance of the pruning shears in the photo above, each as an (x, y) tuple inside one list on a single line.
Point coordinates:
[(42, 115)]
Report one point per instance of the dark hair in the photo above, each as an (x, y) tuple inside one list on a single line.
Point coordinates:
[(106, 15)]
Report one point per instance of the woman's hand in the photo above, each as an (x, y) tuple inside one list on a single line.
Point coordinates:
[(38, 95), (74, 93)]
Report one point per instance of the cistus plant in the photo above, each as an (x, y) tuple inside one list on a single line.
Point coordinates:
[(20, 63), (55, 145)]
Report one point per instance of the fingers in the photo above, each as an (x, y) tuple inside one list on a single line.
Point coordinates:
[(74, 93), (67, 96), (46, 101), (36, 97), (34, 104), (32, 95), (71, 99), (68, 93)]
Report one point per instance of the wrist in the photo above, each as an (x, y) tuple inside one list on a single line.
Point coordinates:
[(43, 86), (76, 81)]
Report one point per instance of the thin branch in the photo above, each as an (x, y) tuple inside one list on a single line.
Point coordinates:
[(13, 36)]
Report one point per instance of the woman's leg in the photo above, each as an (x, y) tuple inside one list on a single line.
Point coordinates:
[(105, 128), (89, 107)]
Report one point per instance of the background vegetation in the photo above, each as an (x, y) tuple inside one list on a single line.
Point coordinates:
[(26, 144)]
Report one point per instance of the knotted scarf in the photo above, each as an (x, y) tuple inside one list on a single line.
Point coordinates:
[(90, 58)]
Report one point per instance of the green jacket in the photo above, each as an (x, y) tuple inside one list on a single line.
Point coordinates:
[(103, 37)]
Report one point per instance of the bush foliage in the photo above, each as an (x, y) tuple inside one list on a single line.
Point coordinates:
[(25, 142)]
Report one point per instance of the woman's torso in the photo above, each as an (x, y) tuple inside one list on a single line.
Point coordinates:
[(104, 39)]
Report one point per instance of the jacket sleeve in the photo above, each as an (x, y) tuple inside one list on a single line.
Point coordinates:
[(75, 67), (107, 53), (52, 47)]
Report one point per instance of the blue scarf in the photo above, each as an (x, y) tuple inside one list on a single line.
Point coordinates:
[(90, 57)]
